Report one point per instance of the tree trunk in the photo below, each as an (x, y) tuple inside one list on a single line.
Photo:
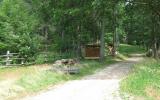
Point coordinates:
[(155, 48), (115, 31), (78, 42), (154, 33), (102, 42), (46, 36)]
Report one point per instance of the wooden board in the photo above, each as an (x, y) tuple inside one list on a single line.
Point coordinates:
[(92, 58), (92, 52)]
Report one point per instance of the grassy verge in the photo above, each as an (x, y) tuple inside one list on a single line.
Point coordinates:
[(16, 72), (126, 49), (144, 81), (40, 80)]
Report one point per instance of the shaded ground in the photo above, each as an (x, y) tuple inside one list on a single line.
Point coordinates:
[(103, 85)]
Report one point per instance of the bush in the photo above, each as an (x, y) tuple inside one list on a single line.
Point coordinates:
[(48, 57), (40, 59)]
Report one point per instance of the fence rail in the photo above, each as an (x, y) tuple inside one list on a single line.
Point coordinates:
[(9, 58)]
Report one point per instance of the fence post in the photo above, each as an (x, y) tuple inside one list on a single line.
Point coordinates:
[(8, 58), (22, 61)]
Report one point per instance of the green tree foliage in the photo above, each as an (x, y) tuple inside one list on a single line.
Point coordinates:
[(17, 28), (27, 26), (143, 23)]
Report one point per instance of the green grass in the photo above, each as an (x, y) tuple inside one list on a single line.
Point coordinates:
[(15, 69), (126, 49), (40, 80), (145, 80), (18, 71), (89, 67)]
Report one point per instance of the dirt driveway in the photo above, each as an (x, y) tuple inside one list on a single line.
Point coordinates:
[(103, 85)]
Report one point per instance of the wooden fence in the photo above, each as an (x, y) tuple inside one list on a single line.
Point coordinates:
[(11, 59)]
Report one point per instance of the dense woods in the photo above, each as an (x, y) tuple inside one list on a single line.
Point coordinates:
[(47, 42), (64, 26)]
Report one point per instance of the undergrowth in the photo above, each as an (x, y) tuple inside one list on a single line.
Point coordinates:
[(145, 80)]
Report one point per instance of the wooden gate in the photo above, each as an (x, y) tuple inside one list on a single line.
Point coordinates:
[(92, 51)]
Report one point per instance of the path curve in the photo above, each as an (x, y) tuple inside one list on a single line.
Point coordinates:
[(103, 85)]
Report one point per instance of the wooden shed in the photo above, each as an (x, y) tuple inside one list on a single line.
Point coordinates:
[(92, 51)]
